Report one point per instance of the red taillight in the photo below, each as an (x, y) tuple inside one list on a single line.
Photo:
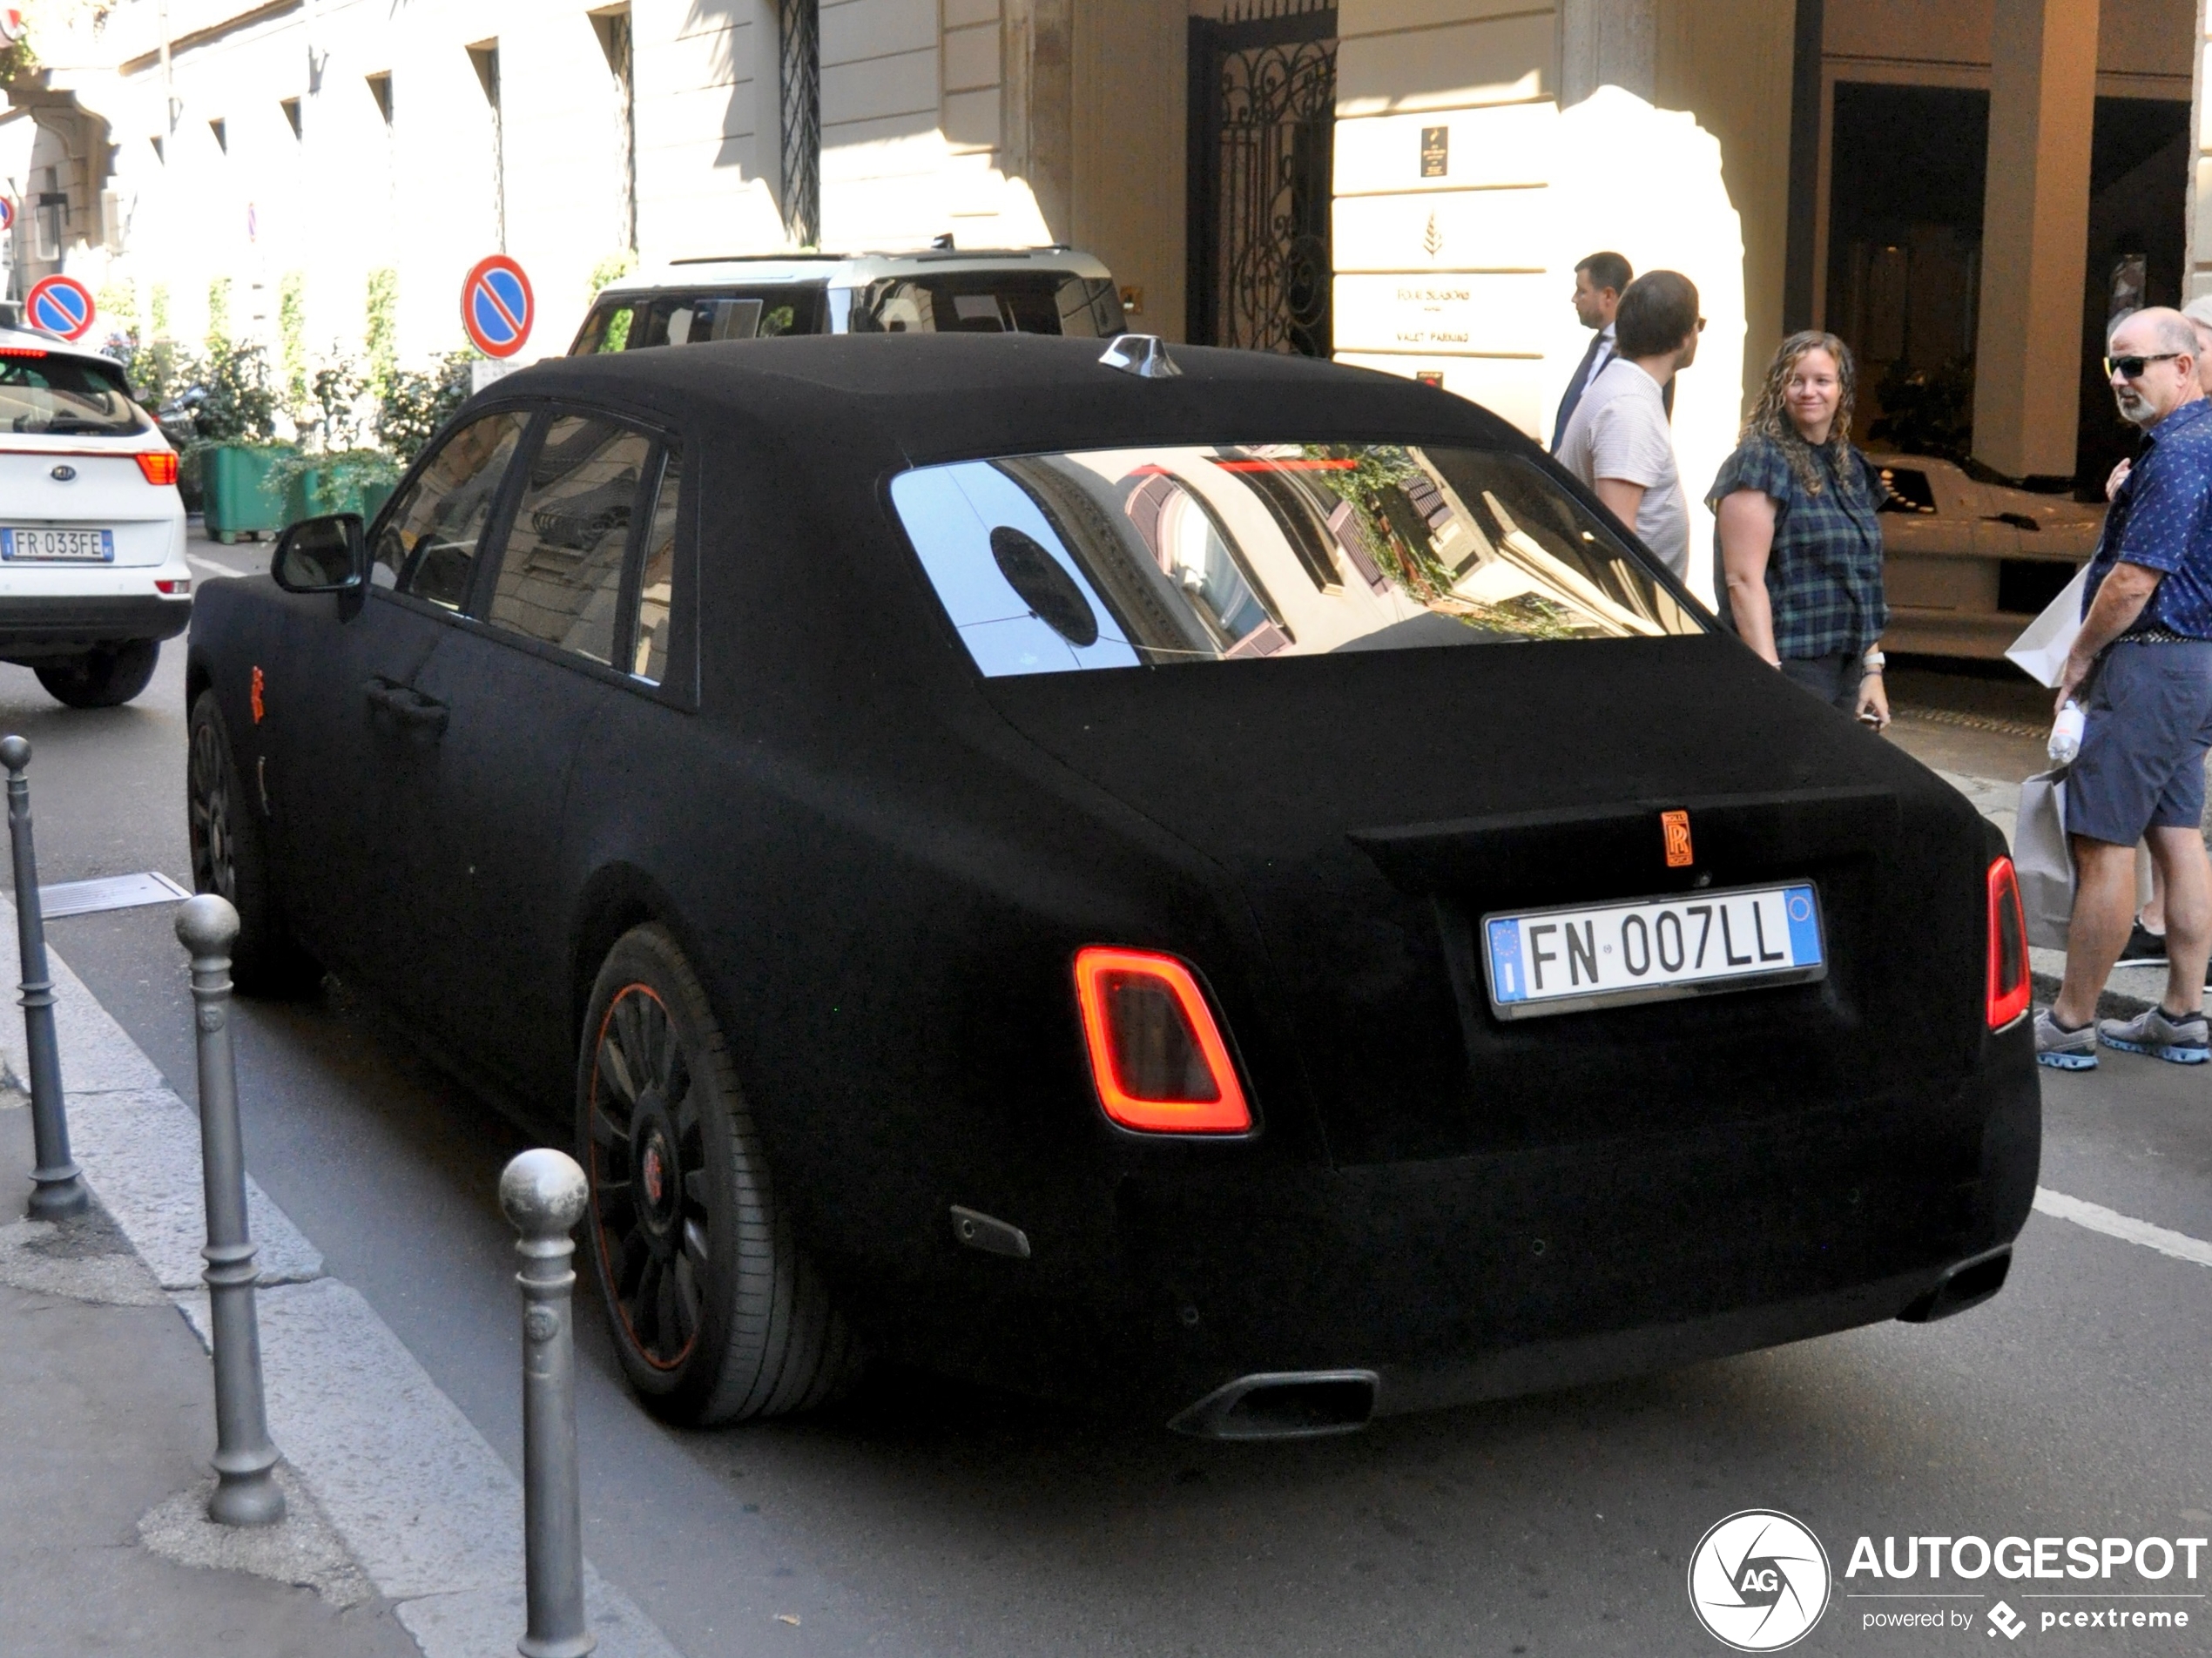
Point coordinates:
[(20, 351), (159, 465), (1156, 1054), (176, 588), (2009, 985)]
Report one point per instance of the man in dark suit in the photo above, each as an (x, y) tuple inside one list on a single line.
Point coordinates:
[(1600, 280)]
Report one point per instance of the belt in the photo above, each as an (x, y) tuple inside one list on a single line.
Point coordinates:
[(2158, 636)]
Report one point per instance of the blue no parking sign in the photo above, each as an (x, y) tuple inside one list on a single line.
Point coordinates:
[(496, 307), (60, 305)]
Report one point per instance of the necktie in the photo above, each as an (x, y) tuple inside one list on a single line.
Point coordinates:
[(1576, 387)]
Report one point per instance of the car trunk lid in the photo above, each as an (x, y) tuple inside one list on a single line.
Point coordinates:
[(1373, 808)]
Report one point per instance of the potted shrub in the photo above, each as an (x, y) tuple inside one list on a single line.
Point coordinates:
[(227, 413)]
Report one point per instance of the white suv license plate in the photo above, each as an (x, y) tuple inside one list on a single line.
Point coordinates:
[(1563, 961), (62, 546)]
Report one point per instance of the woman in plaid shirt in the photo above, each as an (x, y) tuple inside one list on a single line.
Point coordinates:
[(1798, 548)]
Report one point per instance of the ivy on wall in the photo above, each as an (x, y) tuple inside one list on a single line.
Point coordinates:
[(292, 335)]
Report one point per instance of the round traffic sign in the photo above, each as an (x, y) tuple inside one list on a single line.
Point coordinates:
[(496, 307), (7, 213), (60, 305)]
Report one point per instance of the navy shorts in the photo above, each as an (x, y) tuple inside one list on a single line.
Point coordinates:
[(2141, 765)]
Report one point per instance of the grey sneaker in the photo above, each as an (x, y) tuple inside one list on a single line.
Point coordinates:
[(2063, 1049), (2158, 1033)]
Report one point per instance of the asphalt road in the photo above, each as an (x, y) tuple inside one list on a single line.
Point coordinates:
[(927, 1519)]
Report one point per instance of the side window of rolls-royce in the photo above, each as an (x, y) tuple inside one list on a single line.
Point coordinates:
[(428, 543), (561, 574), (657, 573)]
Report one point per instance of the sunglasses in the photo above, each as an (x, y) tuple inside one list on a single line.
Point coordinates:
[(2131, 367)]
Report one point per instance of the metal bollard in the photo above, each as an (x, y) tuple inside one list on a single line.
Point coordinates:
[(245, 1487), (57, 1188), (542, 1193)]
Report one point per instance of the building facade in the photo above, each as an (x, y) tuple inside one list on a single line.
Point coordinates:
[(1404, 183)]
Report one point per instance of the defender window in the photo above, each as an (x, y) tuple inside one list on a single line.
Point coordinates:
[(431, 534)]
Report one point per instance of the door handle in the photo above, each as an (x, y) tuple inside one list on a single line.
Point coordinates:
[(406, 704)]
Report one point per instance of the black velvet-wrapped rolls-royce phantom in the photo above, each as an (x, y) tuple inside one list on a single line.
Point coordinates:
[(1205, 881)]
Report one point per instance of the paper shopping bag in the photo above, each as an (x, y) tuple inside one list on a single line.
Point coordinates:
[(2040, 650), (2042, 858)]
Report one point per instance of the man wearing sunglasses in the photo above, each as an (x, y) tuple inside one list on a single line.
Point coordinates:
[(2142, 666)]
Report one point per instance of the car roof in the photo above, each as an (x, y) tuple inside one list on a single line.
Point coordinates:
[(854, 270), (929, 396), (53, 344)]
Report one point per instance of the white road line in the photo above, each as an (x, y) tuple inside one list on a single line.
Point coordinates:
[(426, 1507), (2113, 1223), (209, 567)]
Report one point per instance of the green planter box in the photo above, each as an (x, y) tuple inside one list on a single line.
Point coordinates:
[(314, 493), (239, 494)]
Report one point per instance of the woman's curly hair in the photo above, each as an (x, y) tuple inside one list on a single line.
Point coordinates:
[(1770, 416)]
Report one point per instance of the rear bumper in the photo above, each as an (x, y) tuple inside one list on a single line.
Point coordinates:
[(1473, 1278), (35, 627)]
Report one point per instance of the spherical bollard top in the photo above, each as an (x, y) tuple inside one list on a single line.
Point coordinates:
[(543, 1192), (206, 925), (14, 753)]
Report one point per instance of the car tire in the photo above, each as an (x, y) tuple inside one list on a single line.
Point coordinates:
[(718, 1316), (230, 857), (104, 678)]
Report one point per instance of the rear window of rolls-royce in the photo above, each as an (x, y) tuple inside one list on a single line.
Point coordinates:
[(1047, 563)]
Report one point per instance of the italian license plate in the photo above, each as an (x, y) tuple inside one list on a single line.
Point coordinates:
[(1562, 960), (82, 546)]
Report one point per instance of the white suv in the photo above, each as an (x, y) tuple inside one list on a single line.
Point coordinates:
[(939, 290), (92, 571)]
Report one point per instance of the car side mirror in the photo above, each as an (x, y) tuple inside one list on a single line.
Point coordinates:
[(325, 554)]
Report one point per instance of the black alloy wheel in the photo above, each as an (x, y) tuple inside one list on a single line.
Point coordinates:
[(106, 678), (230, 857), (649, 1178), (717, 1314)]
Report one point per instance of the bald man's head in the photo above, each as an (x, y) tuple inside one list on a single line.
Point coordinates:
[(2158, 345), (2168, 330)]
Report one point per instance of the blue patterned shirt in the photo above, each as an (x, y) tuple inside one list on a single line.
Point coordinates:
[(1824, 573), (2161, 519)]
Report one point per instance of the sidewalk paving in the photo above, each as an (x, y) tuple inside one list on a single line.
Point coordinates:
[(405, 1538), (110, 1424)]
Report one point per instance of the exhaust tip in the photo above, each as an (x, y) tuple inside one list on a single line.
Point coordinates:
[(1967, 1285), (1283, 1404)]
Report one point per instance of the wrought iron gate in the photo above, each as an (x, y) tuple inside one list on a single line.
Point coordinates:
[(1263, 133)]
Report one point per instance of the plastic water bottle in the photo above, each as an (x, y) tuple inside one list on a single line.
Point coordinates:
[(2066, 733)]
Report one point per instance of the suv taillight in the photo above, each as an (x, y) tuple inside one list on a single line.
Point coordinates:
[(2009, 987), (1157, 1055), (159, 465)]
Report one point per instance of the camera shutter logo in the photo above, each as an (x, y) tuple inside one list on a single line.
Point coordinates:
[(1758, 1580)]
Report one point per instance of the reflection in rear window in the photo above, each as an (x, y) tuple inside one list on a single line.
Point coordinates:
[(1127, 557), (53, 394), (634, 321)]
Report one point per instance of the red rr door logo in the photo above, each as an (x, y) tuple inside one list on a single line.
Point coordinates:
[(1677, 825)]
